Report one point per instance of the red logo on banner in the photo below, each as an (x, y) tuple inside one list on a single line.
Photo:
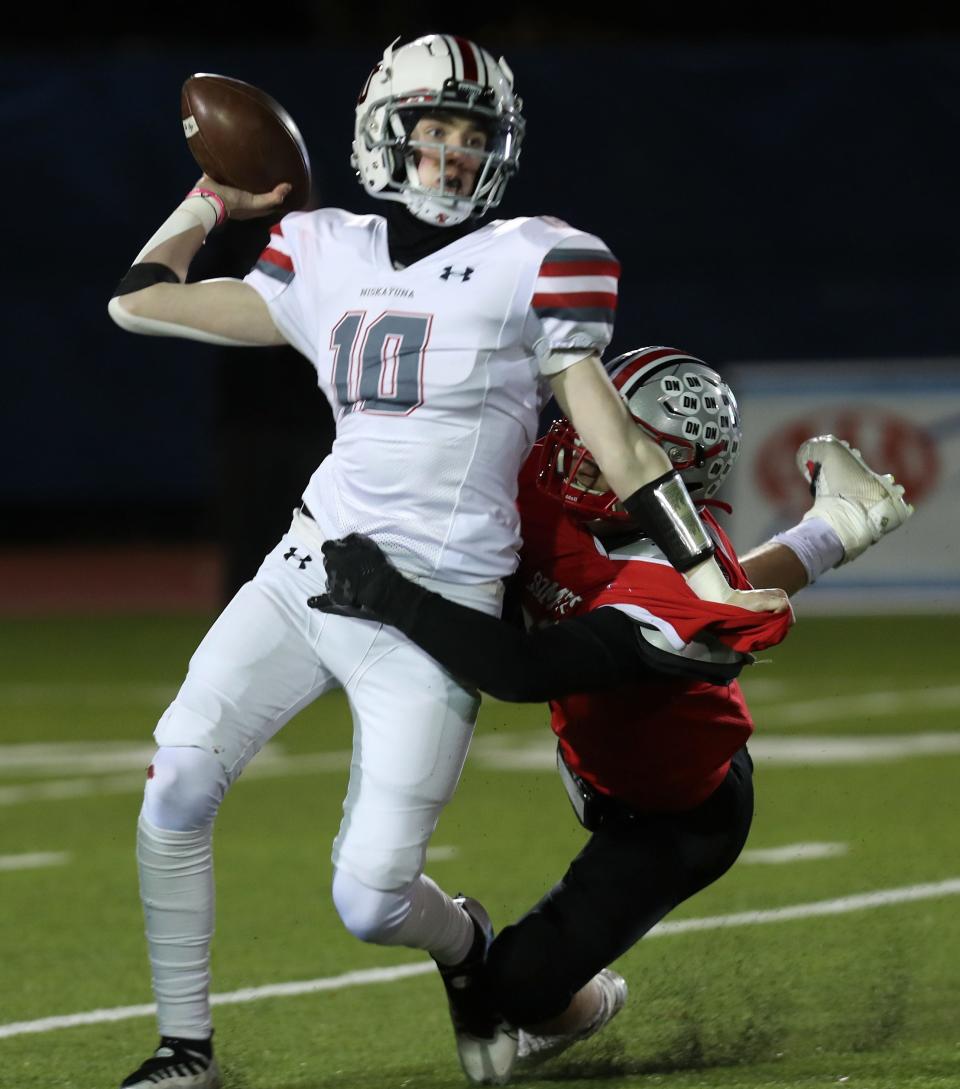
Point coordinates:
[(889, 444)]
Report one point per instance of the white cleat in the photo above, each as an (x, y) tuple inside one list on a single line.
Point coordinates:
[(533, 1050), (488, 1060), (862, 506)]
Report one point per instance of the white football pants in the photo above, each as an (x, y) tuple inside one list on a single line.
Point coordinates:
[(266, 657)]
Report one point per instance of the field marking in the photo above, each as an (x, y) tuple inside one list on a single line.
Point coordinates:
[(873, 749), (792, 852), (33, 861), (441, 853), (229, 998), (535, 753), (101, 693), (862, 705), (269, 764), (841, 906), (70, 757), (528, 751), (104, 757)]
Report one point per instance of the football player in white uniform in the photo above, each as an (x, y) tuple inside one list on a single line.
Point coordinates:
[(436, 340)]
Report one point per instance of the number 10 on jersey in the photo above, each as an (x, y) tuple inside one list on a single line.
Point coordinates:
[(378, 365)]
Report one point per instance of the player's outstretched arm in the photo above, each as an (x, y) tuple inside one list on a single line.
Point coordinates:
[(640, 473), (853, 507), (152, 298), (578, 654), (773, 564)]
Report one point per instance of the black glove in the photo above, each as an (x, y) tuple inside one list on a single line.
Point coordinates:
[(362, 582)]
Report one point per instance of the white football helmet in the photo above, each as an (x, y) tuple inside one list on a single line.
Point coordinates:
[(438, 72)]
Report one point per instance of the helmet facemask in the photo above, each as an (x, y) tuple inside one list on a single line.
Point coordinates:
[(493, 162), (568, 473)]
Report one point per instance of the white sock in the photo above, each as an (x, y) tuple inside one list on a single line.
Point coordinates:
[(419, 916), (447, 930), (176, 887), (816, 545)]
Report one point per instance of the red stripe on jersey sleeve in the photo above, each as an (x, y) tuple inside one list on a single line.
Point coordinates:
[(275, 257), (277, 229), (571, 300), (580, 268)]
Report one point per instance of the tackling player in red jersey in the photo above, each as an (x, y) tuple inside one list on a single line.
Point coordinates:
[(641, 678)]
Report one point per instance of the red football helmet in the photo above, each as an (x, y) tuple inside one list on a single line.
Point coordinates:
[(683, 404)]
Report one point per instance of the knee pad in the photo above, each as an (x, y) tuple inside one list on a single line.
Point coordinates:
[(372, 915), (185, 787)]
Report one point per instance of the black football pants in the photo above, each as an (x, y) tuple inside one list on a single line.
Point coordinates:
[(631, 873)]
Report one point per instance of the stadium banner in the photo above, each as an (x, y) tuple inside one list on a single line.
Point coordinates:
[(904, 416)]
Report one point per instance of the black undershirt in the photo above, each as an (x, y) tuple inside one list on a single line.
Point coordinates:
[(410, 239)]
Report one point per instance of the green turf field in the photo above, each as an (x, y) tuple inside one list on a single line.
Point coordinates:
[(866, 997)]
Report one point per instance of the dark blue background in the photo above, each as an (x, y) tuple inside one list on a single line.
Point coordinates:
[(768, 199)]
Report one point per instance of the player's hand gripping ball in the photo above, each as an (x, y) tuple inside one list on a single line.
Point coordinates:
[(243, 138)]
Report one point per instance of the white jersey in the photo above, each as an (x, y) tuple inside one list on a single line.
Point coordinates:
[(433, 372)]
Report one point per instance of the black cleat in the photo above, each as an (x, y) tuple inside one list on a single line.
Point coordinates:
[(487, 1047), (177, 1064)]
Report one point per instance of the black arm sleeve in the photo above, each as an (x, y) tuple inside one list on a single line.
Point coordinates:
[(602, 649)]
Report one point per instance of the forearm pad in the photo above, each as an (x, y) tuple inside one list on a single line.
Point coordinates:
[(665, 512)]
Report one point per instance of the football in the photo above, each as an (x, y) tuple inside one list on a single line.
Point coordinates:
[(242, 137)]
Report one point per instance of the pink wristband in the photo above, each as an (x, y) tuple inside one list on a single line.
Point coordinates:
[(217, 200)]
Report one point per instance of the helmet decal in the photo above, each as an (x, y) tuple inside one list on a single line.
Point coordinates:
[(686, 408)]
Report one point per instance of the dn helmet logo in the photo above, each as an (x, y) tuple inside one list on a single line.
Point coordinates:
[(463, 273)]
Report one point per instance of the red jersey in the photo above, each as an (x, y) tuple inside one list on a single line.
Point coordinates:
[(658, 745)]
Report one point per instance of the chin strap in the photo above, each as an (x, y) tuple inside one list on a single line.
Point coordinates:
[(665, 512)]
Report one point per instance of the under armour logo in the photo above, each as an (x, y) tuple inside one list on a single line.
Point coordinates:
[(303, 560), (451, 271)]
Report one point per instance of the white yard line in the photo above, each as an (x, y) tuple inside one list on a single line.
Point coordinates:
[(73, 757), (841, 906), (529, 751), (788, 712), (441, 853), (230, 998), (104, 757), (268, 765), (792, 852), (872, 749), (34, 861), (101, 693), (536, 752)]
